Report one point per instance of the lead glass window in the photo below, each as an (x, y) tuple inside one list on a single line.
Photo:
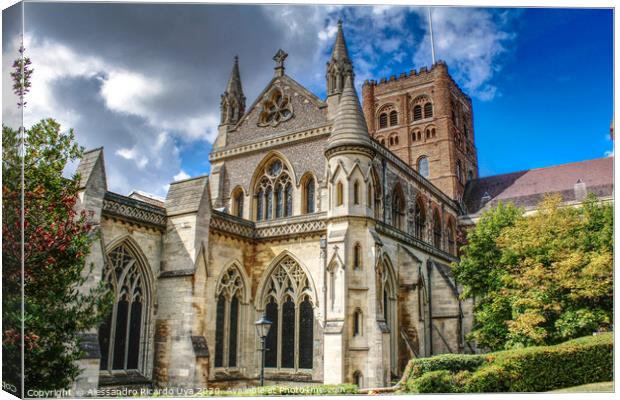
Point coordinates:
[(274, 193), (228, 291), (120, 335), (289, 306)]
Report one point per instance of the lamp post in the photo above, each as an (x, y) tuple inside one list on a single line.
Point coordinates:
[(262, 329)]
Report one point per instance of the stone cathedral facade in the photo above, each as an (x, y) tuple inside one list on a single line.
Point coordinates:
[(335, 220)]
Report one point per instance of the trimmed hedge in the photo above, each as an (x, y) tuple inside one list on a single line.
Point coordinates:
[(309, 390), (449, 362), (533, 369)]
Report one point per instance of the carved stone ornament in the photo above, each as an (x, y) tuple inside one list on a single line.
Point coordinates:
[(275, 108)]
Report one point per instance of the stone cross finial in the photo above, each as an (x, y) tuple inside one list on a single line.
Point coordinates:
[(279, 59)]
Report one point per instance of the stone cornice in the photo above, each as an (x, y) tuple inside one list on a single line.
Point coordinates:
[(270, 142), (133, 211), (307, 224)]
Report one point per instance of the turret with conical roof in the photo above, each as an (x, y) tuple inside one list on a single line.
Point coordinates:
[(232, 105), (339, 65), (349, 127)]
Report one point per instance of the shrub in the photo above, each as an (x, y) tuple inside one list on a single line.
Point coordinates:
[(449, 362), (439, 381), (533, 369)]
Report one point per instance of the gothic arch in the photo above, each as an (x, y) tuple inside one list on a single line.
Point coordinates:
[(247, 293), (260, 167), (124, 332), (259, 300)]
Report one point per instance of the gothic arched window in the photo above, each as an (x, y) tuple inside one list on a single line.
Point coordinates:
[(237, 202), (339, 194), (436, 229), (309, 194), (357, 256), (398, 207), (356, 192), (428, 110), (121, 334), (357, 322), (393, 118), (419, 219), (289, 307), (228, 292), (274, 192), (423, 167), (417, 112), (358, 379)]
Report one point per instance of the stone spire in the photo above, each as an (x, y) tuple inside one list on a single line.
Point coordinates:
[(349, 125), (339, 65), (232, 105)]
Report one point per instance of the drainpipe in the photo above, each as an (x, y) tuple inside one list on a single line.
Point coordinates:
[(384, 172), (429, 269)]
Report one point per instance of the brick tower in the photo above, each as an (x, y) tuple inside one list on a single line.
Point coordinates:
[(425, 118)]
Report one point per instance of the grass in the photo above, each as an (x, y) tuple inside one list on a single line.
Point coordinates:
[(590, 387)]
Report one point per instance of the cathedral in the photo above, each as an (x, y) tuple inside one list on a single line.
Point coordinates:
[(335, 220)]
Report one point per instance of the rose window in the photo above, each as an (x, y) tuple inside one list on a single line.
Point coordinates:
[(275, 109)]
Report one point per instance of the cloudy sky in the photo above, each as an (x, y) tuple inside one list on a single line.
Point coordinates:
[(144, 81)]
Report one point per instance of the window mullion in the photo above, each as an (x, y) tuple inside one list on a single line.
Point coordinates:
[(126, 352)]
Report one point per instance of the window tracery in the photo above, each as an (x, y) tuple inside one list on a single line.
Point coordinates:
[(276, 108), (121, 333), (229, 292), (289, 306), (274, 192)]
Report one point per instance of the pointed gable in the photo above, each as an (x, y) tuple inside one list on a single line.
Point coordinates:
[(284, 106)]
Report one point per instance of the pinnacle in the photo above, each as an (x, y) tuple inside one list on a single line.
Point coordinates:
[(234, 83), (340, 52), (349, 125)]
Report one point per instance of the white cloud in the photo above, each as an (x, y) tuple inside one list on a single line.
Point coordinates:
[(129, 92), (181, 176), (133, 154), (471, 42), (609, 153)]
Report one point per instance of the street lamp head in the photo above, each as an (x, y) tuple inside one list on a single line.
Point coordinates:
[(262, 326)]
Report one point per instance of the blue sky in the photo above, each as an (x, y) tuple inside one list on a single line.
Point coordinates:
[(144, 81)]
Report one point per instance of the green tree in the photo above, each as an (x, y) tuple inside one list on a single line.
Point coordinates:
[(57, 242), (482, 274), (561, 265), (540, 279)]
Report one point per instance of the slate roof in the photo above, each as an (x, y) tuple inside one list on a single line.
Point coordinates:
[(87, 164), (527, 188), (185, 196)]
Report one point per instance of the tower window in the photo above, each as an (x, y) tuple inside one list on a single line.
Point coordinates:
[(423, 168), (458, 171), (369, 196), (417, 112), (428, 110), (428, 133), (413, 136), (339, 194), (357, 322), (433, 132), (419, 135), (357, 256), (393, 118), (356, 192), (237, 202), (383, 120)]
